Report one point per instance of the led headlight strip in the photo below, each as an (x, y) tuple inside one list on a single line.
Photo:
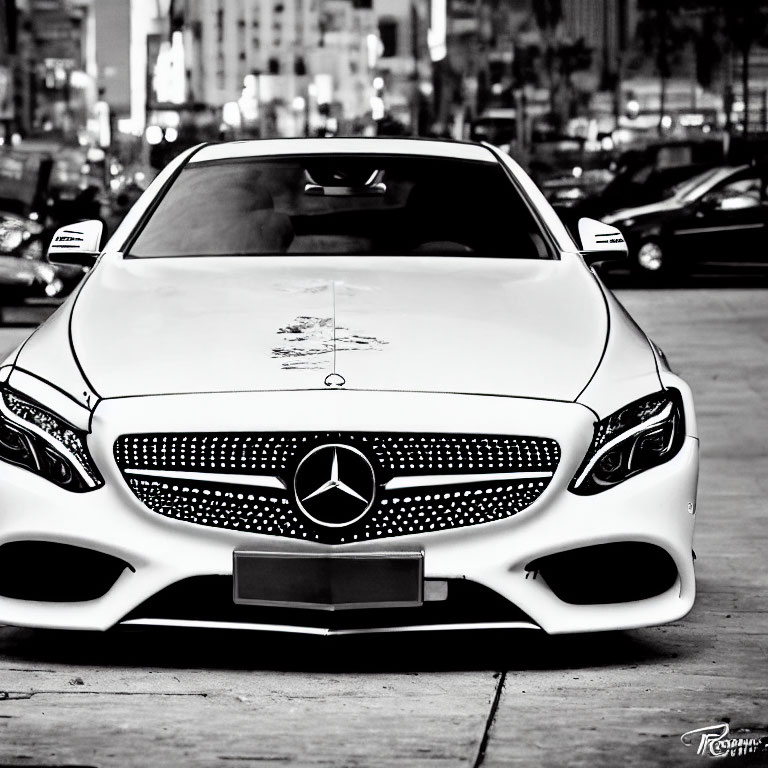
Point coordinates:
[(38, 440), (640, 436)]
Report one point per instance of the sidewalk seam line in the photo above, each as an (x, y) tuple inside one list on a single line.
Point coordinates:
[(480, 759)]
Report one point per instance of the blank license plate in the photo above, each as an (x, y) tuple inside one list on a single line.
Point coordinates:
[(329, 581)]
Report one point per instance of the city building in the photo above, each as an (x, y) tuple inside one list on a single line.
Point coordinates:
[(15, 114), (403, 65), (606, 29), (274, 66), (112, 53), (44, 58)]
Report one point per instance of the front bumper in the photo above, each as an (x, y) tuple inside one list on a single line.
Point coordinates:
[(655, 507)]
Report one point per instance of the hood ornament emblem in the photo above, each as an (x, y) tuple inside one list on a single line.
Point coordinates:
[(334, 380)]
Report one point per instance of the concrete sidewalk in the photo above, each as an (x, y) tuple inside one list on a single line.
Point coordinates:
[(492, 699), (712, 667)]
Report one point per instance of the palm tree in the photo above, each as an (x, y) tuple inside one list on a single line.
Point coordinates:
[(548, 15), (746, 24), (663, 32)]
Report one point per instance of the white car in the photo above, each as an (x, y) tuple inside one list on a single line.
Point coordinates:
[(337, 386)]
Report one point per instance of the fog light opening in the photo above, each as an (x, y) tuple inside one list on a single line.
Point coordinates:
[(622, 572), (56, 573)]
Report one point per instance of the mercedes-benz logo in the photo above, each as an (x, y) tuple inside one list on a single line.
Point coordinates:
[(334, 485)]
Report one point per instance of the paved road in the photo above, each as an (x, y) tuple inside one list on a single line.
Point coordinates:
[(496, 699)]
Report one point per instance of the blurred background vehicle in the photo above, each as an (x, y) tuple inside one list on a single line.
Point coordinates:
[(498, 127), (638, 177), (31, 209), (718, 217)]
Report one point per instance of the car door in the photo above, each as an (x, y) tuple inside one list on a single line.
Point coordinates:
[(727, 224)]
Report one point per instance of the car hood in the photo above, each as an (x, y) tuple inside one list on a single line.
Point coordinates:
[(645, 212), (523, 328)]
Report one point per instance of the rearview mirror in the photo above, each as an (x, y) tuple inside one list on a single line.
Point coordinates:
[(373, 185), (601, 242), (78, 244)]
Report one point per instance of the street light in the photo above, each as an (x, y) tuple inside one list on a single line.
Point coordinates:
[(153, 134)]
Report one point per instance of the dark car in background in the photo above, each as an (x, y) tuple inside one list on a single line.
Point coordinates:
[(640, 177), (719, 216)]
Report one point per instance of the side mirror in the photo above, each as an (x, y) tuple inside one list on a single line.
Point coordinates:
[(601, 242), (78, 244), (709, 203)]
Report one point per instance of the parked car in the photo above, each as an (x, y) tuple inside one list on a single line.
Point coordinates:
[(27, 222), (719, 216), (338, 386), (640, 177), (497, 126)]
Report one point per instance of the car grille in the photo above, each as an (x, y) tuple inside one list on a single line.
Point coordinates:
[(243, 506)]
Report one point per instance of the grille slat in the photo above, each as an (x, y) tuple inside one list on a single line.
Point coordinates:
[(394, 512)]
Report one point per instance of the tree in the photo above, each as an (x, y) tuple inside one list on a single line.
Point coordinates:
[(562, 57), (709, 47), (549, 15), (746, 24), (663, 31)]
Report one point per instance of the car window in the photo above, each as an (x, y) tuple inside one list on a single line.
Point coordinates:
[(357, 205), (737, 194), (689, 188), (674, 156), (641, 175)]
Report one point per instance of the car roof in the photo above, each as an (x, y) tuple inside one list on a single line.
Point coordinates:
[(333, 146)]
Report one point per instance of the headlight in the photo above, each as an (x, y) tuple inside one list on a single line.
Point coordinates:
[(36, 439), (640, 436)]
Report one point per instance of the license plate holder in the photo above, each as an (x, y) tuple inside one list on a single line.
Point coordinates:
[(330, 582)]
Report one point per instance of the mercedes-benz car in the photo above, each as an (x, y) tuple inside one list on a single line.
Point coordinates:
[(339, 386)]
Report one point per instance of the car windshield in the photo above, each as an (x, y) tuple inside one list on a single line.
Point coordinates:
[(342, 204), (699, 185)]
